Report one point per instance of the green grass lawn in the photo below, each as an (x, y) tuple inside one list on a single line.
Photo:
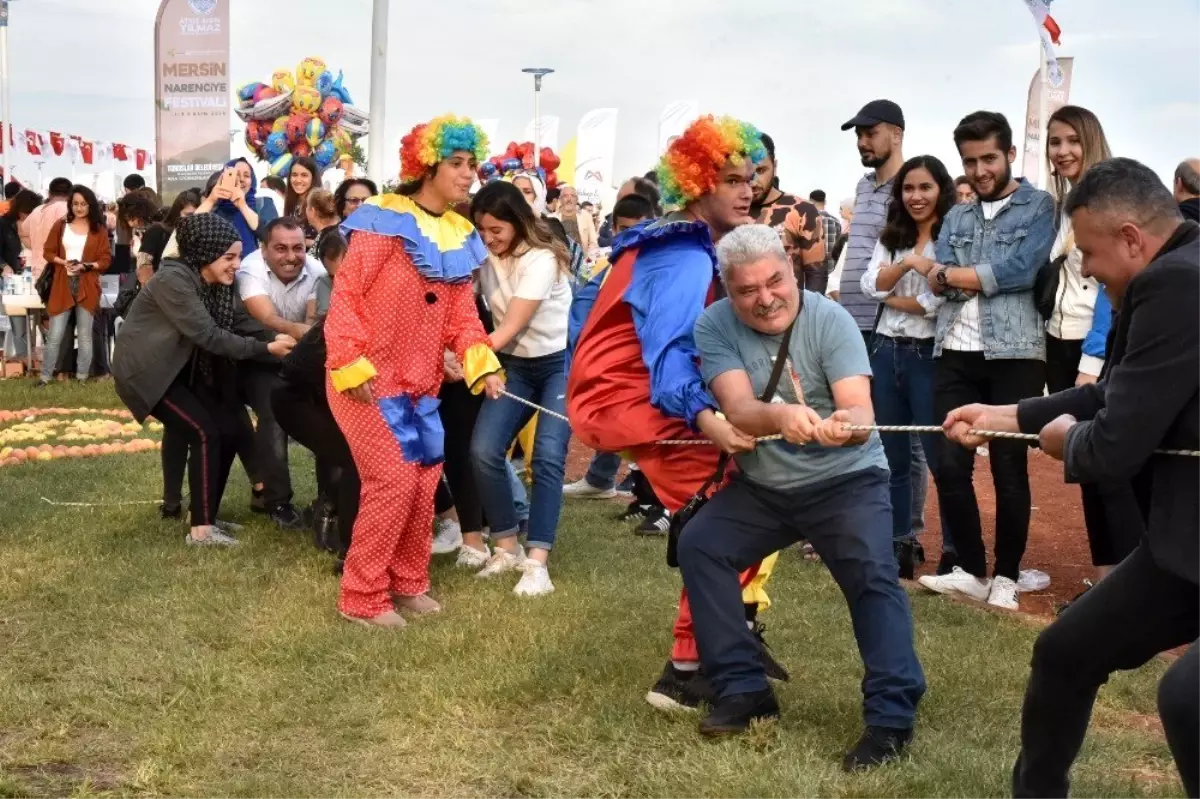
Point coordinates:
[(131, 665)]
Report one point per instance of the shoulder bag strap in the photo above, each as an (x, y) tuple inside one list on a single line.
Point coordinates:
[(781, 360)]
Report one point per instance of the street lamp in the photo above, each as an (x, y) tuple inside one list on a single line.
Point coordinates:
[(538, 73), (6, 125), (376, 143)]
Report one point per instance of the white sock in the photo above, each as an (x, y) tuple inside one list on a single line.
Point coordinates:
[(685, 665)]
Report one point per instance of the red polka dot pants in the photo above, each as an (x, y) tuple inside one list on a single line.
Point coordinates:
[(390, 549)]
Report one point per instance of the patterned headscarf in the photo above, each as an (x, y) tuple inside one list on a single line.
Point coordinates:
[(203, 238)]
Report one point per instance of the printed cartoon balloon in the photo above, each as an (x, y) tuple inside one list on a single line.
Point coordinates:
[(307, 112)]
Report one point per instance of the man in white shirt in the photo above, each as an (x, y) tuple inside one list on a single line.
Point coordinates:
[(276, 283)]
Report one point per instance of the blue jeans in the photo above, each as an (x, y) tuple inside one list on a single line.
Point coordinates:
[(83, 341), (520, 498), (18, 327), (848, 520), (602, 473), (543, 381), (902, 393)]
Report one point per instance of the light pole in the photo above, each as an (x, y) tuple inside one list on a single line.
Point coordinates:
[(538, 73), (6, 127), (377, 140)]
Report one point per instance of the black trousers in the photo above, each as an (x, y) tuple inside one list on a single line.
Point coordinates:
[(308, 420), (963, 378), (1110, 511), (458, 411), (259, 381), (1128, 618), (212, 431), (175, 454)]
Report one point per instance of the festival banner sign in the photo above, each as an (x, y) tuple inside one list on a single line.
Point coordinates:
[(594, 152), (674, 121), (1035, 126), (191, 93)]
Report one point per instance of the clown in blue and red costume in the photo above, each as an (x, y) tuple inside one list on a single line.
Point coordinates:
[(402, 297), (634, 377)]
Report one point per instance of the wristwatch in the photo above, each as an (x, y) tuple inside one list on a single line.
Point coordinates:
[(940, 277)]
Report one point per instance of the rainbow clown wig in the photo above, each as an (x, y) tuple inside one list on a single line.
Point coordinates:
[(436, 140), (689, 168)]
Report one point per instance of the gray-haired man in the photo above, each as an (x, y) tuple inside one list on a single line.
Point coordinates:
[(822, 482)]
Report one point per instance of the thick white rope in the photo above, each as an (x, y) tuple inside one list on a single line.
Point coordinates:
[(854, 428)]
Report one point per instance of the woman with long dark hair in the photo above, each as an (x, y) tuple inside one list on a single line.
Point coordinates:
[(19, 209), (402, 297), (902, 346), (303, 177), (77, 250), (526, 284), (176, 357)]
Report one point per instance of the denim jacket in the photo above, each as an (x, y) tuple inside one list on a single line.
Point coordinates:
[(1006, 253)]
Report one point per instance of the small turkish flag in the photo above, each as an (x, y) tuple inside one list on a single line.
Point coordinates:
[(33, 142), (140, 159), (57, 142), (119, 152), (87, 149)]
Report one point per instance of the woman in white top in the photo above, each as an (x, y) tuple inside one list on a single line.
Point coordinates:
[(526, 283), (902, 347), (1077, 330)]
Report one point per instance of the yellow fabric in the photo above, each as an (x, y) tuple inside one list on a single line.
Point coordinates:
[(479, 363), (352, 375), (755, 593), (447, 231)]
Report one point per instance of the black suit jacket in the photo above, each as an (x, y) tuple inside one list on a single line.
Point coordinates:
[(1148, 399)]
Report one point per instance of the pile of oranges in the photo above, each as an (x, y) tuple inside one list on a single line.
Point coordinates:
[(34, 439)]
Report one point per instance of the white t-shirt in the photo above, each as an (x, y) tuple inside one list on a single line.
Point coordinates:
[(964, 334), (73, 244), (533, 275)]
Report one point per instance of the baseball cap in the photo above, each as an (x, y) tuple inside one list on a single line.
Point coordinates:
[(875, 112)]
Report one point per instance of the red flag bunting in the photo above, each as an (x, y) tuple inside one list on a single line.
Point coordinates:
[(140, 159), (33, 143), (57, 142), (119, 152)]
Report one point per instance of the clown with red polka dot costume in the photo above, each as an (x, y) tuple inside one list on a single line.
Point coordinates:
[(403, 296)]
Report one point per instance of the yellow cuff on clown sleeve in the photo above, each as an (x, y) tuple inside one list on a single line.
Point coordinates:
[(478, 364), (352, 375)]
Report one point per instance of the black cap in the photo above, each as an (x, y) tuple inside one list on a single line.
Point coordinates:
[(875, 112)]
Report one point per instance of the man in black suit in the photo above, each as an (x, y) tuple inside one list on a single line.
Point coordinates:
[(1137, 244)]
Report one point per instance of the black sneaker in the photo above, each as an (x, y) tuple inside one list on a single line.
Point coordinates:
[(257, 503), (657, 521), (877, 746), (947, 563), (636, 510), (906, 558), (680, 690), (286, 517), (733, 714), (771, 666), (170, 511)]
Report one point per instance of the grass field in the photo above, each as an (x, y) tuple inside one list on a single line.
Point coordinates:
[(131, 665)]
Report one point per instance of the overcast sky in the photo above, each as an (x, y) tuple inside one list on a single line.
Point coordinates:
[(795, 68)]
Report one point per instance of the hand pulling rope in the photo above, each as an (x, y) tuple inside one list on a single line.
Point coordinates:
[(854, 428)]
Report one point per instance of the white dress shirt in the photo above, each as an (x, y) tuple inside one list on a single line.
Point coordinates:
[(255, 279), (895, 323)]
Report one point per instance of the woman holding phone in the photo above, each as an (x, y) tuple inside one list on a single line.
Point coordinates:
[(234, 198)]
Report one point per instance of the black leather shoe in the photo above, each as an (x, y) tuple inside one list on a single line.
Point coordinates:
[(877, 746), (170, 511), (733, 714)]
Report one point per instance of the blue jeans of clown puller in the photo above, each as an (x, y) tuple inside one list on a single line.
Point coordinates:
[(902, 393), (602, 472), (848, 520), (543, 381)]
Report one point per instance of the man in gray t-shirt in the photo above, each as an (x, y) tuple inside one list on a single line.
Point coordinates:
[(823, 482)]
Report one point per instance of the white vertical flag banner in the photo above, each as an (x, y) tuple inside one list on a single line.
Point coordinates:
[(547, 136), (594, 152), (1048, 32), (1035, 127), (674, 121), (492, 128)]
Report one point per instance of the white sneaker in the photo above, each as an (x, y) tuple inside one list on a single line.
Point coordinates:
[(582, 489), (501, 562), (1003, 593), (535, 581), (958, 582), (471, 558), (447, 536)]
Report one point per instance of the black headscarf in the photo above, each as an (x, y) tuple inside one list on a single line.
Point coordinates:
[(203, 238)]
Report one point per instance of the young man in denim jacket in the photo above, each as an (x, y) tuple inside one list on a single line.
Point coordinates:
[(990, 345)]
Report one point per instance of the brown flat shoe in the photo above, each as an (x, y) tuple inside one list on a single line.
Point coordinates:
[(388, 620), (420, 605)]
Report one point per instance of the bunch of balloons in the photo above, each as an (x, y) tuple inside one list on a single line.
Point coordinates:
[(308, 114), (518, 158)]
